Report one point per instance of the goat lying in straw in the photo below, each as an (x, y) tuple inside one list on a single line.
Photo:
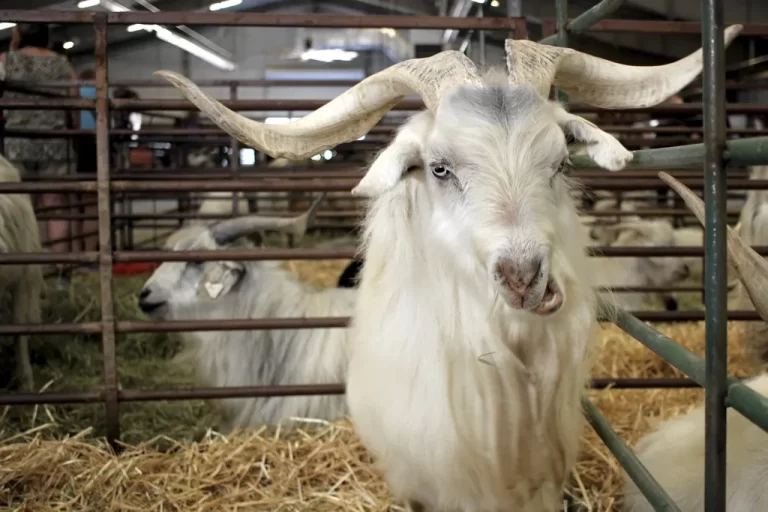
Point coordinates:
[(217, 290)]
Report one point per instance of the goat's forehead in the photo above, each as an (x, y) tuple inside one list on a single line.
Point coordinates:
[(495, 103)]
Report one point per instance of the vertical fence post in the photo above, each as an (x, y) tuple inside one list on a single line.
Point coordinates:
[(715, 194), (112, 409), (234, 162), (561, 19)]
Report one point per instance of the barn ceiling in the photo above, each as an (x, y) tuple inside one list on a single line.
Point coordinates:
[(625, 49)]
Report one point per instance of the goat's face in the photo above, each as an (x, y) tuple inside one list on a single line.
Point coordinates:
[(655, 270), (493, 160), (177, 288)]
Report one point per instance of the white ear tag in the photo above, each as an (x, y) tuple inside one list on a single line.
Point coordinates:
[(214, 289)]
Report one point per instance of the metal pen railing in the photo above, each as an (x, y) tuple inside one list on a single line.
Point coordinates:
[(711, 373), (714, 152)]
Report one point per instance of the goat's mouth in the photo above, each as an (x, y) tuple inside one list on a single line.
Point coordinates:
[(537, 299)]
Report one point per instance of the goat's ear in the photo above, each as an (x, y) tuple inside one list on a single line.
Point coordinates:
[(220, 276), (604, 149), (402, 153)]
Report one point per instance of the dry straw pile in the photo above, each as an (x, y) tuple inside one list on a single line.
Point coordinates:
[(323, 467)]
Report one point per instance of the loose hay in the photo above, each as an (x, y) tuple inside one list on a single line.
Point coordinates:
[(319, 469)]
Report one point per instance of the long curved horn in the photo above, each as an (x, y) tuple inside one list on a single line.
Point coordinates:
[(232, 229), (597, 81), (751, 268), (346, 117)]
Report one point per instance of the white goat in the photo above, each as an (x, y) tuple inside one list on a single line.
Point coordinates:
[(19, 232), (472, 330), (220, 290), (674, 454), (599, 228), (637, 271)]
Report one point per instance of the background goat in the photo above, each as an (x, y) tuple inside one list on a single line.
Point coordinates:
[(256, 289), (674, 454), (634, 271), (473, 254), (19, 232)]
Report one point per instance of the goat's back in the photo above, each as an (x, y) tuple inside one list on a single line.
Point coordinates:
[(674, 454)]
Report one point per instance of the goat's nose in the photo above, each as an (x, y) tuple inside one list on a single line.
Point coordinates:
[(145, 304), (519, 277)]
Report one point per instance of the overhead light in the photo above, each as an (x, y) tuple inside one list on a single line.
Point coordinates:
[(198, 51), (317, 158), (225, 4), (186, 45), (328, 55), (327, 154), (494, 3), (88, 3), (4, 26), (68, 45), (479, 1), (113, 6), (174, 39)]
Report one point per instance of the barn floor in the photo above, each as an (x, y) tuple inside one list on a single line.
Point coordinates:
[(184, 465)]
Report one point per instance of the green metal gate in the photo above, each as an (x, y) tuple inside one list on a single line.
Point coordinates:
[(715, 154)]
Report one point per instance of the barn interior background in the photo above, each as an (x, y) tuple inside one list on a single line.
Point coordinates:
[(109, 377)]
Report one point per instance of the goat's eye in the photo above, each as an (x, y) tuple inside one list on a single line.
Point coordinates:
[(440, 172)]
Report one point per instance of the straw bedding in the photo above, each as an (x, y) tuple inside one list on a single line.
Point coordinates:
[(174, 460)]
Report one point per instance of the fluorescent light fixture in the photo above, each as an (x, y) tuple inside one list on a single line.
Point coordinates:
[(88, 3), (114, 6), (225, 4), (69, 45), (328, 55), (317, 158), (479, 1), (4, 26), (186, 45), (494, 3)]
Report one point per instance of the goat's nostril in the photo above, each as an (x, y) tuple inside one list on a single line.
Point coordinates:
[(144, 293)]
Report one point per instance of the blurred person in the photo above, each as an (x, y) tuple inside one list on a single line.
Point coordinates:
[(85, 147), (29, 59)]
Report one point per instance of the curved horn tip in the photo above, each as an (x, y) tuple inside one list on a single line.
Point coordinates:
[(731, 32)]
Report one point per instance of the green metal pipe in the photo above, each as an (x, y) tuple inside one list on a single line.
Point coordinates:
[(561, 21), (582, 23), (672, 352), (748, 402), (738, 153), (715, 258), (653, 492)]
